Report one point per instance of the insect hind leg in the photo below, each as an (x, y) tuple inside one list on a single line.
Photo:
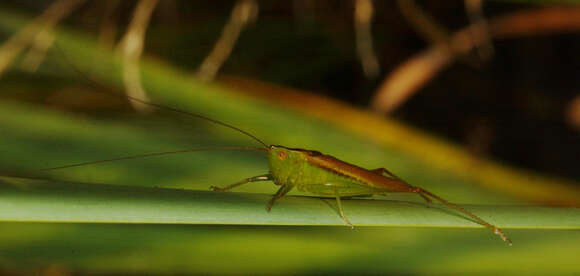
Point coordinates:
[(420, 192), (383, 171), (496, 230)]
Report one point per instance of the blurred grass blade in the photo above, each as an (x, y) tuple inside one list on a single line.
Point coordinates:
[(48, 201)]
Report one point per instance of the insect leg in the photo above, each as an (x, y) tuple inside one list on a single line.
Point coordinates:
[(340, 212), (339, 190), (493, 228), (383, 171), (426, 198), (264, 177), (279, 194)]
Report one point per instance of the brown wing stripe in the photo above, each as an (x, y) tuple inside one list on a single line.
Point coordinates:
[(358, 174)]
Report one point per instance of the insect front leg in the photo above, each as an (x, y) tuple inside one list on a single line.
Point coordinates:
[(264, 177), (279, 194)]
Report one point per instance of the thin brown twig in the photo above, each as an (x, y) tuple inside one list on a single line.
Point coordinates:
[(428, 27), (38, 49), (243, 12), (363, 15), (36, 32), (418, 70), (131, 47), (422, 22)]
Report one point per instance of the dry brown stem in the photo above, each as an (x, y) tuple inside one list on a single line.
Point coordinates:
[(363, 16), (38, 49), (244, 11), (131, 48), (422, 22), (409, 77), (38, 32)]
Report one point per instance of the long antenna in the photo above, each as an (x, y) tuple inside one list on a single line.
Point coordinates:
[(159, 106), (148, 155)]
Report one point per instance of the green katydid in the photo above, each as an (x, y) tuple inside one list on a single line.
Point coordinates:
[(323, 175), (311, 172)]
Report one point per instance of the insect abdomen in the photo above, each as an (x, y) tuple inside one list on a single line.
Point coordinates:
[(321, 182)]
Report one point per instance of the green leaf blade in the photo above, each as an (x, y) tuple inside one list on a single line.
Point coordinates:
[(48, 201)]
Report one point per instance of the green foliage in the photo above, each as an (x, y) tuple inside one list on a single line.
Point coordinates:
[(36, 137), (50, 201)]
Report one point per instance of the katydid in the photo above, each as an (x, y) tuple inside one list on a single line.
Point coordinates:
[(311, 172), (323, 175)]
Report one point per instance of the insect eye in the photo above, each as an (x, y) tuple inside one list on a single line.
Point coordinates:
[(282, 155)]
